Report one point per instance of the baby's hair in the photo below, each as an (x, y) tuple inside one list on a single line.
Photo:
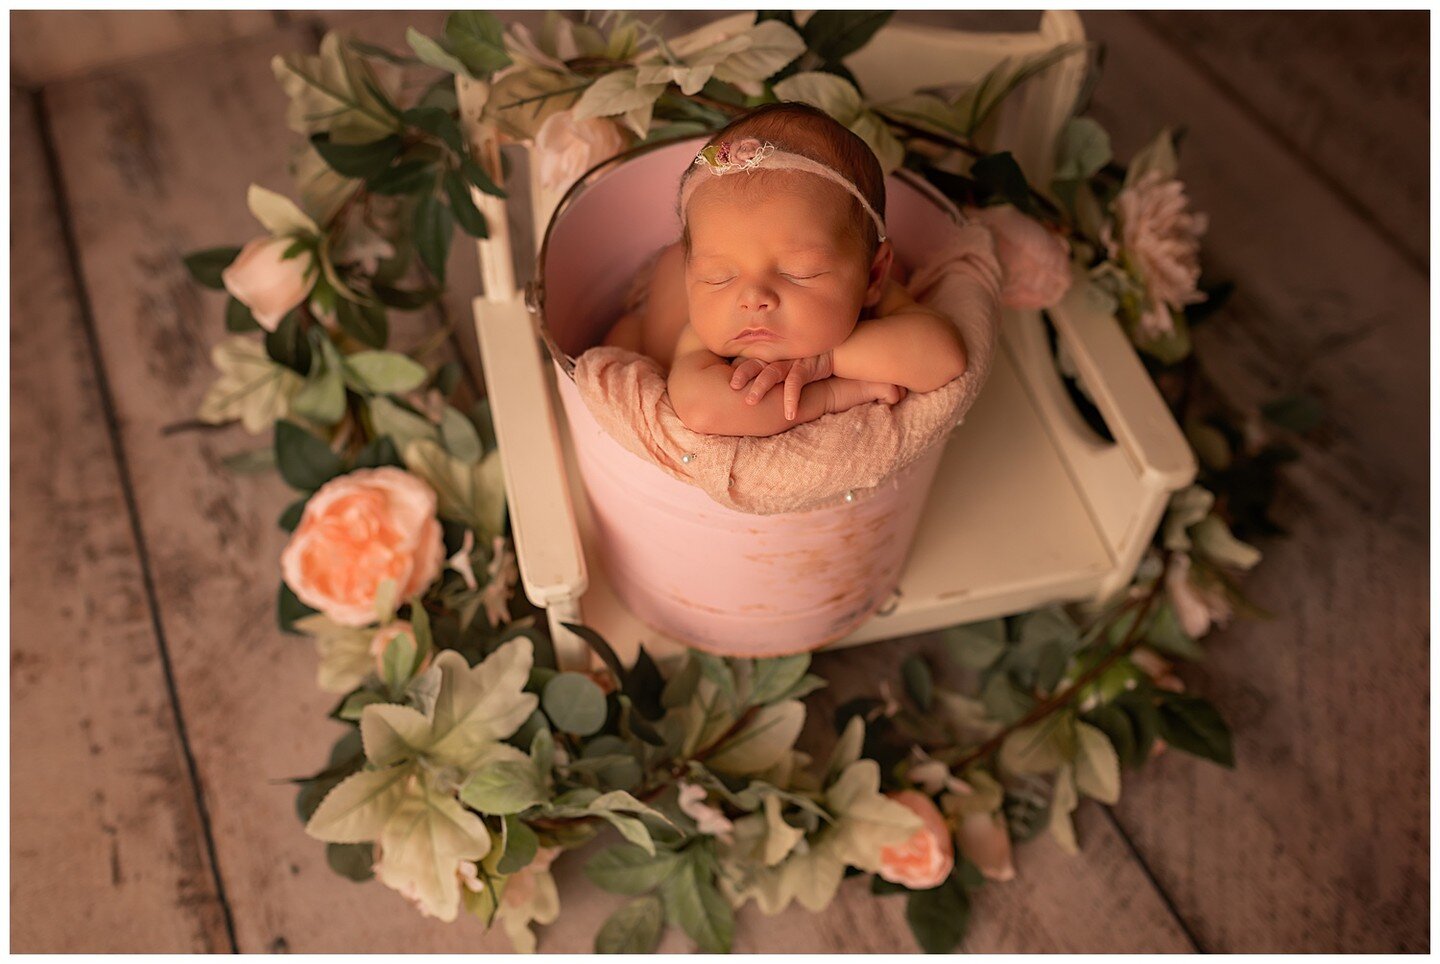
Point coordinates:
[(802, 129)]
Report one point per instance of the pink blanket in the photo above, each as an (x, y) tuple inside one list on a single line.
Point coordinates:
[(813, 464)]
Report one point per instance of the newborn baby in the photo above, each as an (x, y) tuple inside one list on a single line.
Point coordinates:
[(783, 274)]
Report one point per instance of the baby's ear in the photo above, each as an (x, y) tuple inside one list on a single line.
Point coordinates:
[(879, 273)]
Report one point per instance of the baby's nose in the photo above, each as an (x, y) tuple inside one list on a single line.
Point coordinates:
[(757, 299)]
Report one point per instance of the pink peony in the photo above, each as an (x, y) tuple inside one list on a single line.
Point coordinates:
[(1034, 261), (926, 859), (266, 283), (568, 148), (357, 530), (1161, 241)]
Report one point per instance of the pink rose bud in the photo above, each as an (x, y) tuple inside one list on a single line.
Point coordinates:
[(926, 859), (270, 286)]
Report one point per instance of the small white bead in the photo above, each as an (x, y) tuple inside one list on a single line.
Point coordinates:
[(849, 496), (687, 457)]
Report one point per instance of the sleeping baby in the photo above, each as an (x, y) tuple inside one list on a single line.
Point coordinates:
[(783, 278)]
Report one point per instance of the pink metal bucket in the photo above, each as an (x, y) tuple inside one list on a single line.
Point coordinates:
[(720, 580)]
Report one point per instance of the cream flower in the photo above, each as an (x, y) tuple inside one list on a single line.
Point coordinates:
[(1034, 261), (1197, 606), (503, 573), (358, 530), (1160, 238), (707, 819), (266, 283), (568, 148)]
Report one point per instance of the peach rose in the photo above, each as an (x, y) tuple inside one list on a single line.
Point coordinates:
[(357, 530), (1034, 261), (926, 859), (266, 283), (569, 148)]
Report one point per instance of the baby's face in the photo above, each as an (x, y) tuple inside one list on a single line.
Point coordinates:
[(782, 258)]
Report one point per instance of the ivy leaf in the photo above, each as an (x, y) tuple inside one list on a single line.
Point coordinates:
[(359, 807), (480, 706), (633, 929), (205, 266), (344, 651), (252, 388), (470, 494), (424, 841)]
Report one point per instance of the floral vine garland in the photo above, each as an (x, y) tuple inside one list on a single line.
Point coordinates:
[(473, 761)]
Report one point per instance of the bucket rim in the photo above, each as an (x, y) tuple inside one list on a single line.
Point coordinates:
[(535, 288)]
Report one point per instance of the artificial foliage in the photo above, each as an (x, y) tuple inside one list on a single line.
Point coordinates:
[(472, 761)]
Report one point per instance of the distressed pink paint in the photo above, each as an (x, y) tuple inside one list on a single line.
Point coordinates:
[(721, 580)]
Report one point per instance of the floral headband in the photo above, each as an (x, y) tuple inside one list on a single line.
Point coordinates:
[(733, 157)]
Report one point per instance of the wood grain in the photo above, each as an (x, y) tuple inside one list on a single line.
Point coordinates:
[(1319, 840), (107, 848), (1347, 91), (51, 45)]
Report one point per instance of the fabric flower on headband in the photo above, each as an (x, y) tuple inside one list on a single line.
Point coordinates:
[(730, 156)]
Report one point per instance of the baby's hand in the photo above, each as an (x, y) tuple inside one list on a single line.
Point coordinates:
[(796, 373), (846, 393)]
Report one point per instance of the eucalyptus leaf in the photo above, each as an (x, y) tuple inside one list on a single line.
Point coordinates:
[(574, 704), (352, 861)]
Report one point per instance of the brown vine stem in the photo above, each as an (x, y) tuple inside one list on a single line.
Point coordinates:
[(1131, 640)]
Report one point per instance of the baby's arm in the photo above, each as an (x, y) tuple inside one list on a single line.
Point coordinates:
[(699, 387), (906, 344)]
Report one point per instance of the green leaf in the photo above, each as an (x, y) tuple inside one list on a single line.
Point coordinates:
[(304, 461), (1097, 766), (357, 160), (433, 54), (1192, 724), (521, 845), (629, 870), (975, 645), (1118, 729), (400, 425), (775, 678), (386, 372), (1037, 748), (469, 494), (459, 436), (693, 901), (407, 177), (423, 843), (477, 38), (1083, 149), (332, 92), (205, 266), (761, 743), (574, 704), (322, 400), (365, 323), (480, 706), (251, 388), (438, 122), (238, 318), (433, 230), (504, 787), (633, 929), (834, 35), (939, 917), (289, 608), (288, 345), (280, 215), (290, 518), (1001, 174), (359, 807), (919, 683), (353, 861), (462, 205), (1165, 634), (476, 175)]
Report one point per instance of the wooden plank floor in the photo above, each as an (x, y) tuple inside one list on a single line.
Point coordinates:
[(157, 752)]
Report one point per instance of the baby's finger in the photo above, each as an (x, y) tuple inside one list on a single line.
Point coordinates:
[(745, 371), (765, 381), (794, 382)]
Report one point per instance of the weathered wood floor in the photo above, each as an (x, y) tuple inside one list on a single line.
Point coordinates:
[(155, 705)]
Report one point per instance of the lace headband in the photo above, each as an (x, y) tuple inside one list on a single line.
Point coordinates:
[(733, 157)]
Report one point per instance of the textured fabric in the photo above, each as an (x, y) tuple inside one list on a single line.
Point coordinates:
[(813, 464)]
